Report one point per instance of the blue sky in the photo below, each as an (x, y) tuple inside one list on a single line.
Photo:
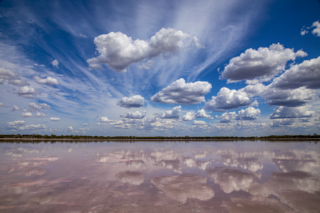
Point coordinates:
[(204, 68)]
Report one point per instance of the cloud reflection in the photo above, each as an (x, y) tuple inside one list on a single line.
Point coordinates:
[(134, 178), (182, 187)]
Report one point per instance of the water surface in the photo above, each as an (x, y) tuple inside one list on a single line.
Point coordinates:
[(160, 177)]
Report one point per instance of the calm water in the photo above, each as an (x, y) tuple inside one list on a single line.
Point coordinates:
[(160, 177)]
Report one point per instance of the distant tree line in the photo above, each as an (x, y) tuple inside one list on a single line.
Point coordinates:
[(161, 138)]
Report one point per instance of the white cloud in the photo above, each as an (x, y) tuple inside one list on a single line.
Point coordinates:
[(189, 116), (15, 108), (303, 32), (202, 114), (282, 122), (119, 51), (133, 115), (132, 102), (85, 124), (248, 114), (316, 30), (199, 123), (34, 127), (54, 119), (305, 74), (290, 97), (292, 112), (172, 114), (27, 92), (70, 128), (48, 80), (26, 114), (105, 119), (228, 99), (12, 76), (55, 63), (18, 82), (14, 124), (1, 105), (33, 107), (146, 65), (263, 63), (180, 92), (227, 117), (254, 104), (40, 114), (7, 73)]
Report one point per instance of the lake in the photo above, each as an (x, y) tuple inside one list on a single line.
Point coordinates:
[(243, 176)]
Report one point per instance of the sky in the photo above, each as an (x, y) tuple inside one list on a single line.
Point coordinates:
[(160, 68)]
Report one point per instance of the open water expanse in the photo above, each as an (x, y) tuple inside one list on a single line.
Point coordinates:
[(160, 177)]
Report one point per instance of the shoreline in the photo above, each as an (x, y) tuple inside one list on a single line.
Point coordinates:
[(302, 139)]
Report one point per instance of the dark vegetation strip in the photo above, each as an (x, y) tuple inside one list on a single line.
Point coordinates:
[(36, 137)]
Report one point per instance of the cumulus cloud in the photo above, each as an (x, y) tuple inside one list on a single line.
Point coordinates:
[(189, 116), (14, 108), (85, 124), (35, 127), (54, 119), (118, 51), (1, 105), (290, 97), (292, 112), (105, 119), (316, 30), (48, 80), (18, 82), (228, 99), (70, 128), (55, 63), (33, 107), (227, 117), (27, 92), (202, 114), (26, 114), (282, 122), (180, 92), (133, 115), (305, 74), (303, 32), (40, 114), (248, 114), (7, 73), (132, 102), (15, 124), (199, 123), (254, 104), (263, 63), (12, 76), (172, 114)]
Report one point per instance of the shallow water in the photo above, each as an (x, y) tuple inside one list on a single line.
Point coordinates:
[(160, 177)]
